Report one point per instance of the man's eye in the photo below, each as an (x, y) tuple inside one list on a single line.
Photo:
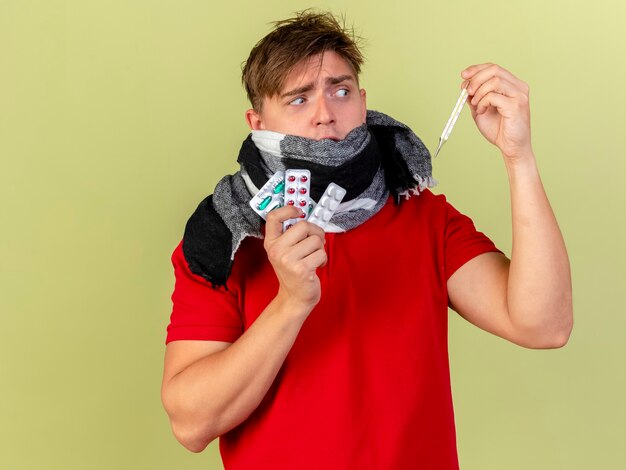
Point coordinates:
[(299, 100), (342, 92)]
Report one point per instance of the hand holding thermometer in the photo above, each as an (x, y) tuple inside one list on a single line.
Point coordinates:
[(452, 119)]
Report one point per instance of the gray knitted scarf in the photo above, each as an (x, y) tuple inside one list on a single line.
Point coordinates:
[(376, 159)]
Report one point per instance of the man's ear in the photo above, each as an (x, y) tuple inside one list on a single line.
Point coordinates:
[(364, 103), (254, 120)]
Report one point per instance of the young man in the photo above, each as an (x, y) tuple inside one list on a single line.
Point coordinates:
[(313, 349)]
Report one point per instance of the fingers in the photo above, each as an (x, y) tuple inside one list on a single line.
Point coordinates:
[(298, 243), (496, 101), (313, 254), (275, 219), (497, 85), (303, 230), (303, 247), (491, 85), (478, 74), (473, 69), (295, 256), (496, 78)]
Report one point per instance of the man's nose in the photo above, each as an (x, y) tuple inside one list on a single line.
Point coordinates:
[(324, 114)]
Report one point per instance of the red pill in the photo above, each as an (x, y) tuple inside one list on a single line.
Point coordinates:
[(291, 190), (303, 178), (303, 203), (290, 202), (302, 190), (291, 178)]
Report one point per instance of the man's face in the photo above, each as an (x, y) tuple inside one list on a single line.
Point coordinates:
[(320, 99)]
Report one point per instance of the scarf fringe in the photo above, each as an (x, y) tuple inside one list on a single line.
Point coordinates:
[(422, 183)]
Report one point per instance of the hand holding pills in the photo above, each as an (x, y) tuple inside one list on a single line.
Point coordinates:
[(296, 249), (295, 255)]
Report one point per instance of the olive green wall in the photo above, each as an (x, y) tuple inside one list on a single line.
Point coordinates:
[(117, 117)]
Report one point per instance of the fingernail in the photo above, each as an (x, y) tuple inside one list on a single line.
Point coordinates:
[(464, 73)]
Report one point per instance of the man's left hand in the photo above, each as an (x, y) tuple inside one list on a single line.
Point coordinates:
[(500, 107)]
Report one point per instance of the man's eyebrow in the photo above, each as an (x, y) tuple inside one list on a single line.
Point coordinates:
[(310, 86), (298, 91), (339, 79)]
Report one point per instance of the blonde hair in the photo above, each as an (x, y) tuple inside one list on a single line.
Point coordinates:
[(307, 34)]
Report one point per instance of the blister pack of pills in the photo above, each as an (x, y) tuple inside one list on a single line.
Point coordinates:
[(327, 205), (297, 188), (292, 187), (271, 195)]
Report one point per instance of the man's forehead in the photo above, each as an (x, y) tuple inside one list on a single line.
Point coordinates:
[(307, 86), (311, 69)]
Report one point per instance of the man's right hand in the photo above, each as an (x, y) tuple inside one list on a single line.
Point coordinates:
[(295, 256)]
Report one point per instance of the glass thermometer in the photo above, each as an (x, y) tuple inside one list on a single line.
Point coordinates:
[(452, 119)]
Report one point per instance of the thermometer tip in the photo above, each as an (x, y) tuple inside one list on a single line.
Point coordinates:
[(438, 148)]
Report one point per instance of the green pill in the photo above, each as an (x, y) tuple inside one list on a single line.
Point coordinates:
[(280, 187), (265, 203)]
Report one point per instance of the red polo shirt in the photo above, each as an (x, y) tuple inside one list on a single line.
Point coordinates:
[(366, 383)]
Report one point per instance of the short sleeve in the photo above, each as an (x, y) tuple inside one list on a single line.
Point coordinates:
[(200, 312), (462, 241)]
